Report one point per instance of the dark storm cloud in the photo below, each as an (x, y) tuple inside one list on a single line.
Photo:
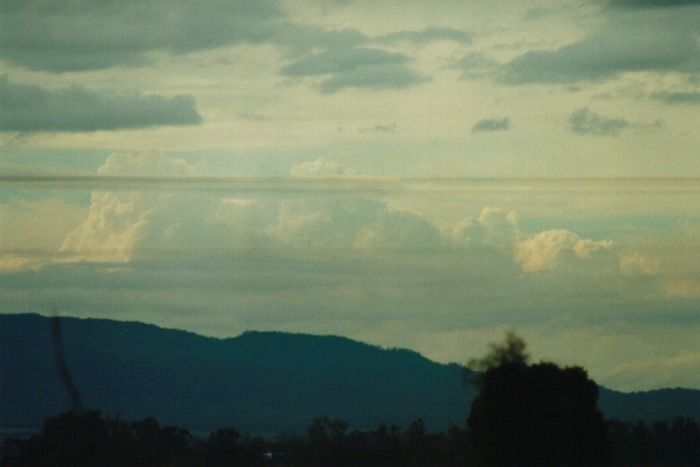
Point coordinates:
[(29, 108), (89, 34), (586, 122), (427, 35), (356, 67), (489, 125), (659, 40)]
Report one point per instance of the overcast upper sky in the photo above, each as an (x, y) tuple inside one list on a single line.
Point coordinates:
[(363, 94)]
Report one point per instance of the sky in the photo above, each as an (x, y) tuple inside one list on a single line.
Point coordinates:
[(406, 173)]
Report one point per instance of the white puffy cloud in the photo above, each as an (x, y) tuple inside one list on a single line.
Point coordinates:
[(31, 230), (635, 263), (321, 167), (126, 224), (495, 227), (121, 221), (552, 249), (16, 263), (116, 224), (148, 164)]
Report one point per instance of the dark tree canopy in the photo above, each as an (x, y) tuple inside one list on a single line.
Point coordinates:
[(534, 414)]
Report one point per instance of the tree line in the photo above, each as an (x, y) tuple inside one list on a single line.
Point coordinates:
[(89, 439), (523, 414)]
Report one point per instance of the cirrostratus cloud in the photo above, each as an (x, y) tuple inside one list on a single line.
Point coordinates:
[(29, 108)]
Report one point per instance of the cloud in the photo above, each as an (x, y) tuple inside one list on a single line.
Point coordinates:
[(490, 125), (89, 35), (342, 60), (321, 167), (30, 108), (33, 229), (688, 289), (642, 4), (427, 35), (635, 263), (377, 77), (126, 225), (356, 67), (148, 164), (494, 227), (674, 98), (587, 122), (475, 65), (629, 41), (552, 249), (121, 224)]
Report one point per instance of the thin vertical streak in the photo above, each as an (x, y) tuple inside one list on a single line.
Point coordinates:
[(61, 365)]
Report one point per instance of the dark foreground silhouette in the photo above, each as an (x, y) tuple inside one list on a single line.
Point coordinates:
[(523, 414), (89, 439), (534, 414)]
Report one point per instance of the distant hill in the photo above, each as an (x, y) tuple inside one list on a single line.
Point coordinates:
[(261, 382)]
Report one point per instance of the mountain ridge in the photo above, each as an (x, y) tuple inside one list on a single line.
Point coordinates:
[(259, 381)]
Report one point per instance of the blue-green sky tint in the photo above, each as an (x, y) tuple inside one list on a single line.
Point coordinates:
[(407, 173)]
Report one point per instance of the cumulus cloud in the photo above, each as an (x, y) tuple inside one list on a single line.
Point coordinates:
[(30, 108), (149, 164), (121, 222), (587, 122), (495, 227), (490, 125), (635, 263), (15, 263), (123, 225), (552, 249), (688, 289), (321, 167)]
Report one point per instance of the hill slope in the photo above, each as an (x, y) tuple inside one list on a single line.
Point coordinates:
[(259, 382)]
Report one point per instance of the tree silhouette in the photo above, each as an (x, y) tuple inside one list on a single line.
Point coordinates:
[(223, 448), (534, 414)]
